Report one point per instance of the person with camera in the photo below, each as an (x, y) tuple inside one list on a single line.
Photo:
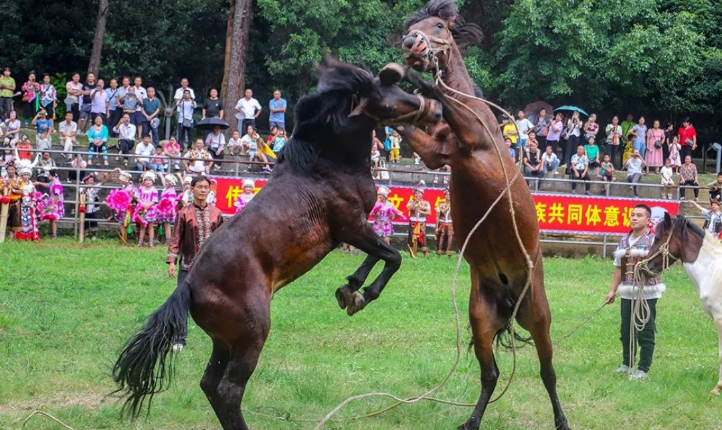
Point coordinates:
[(247, 110), (655, 139), (185, 106), (634, 165), (126, 136), (44, 127)]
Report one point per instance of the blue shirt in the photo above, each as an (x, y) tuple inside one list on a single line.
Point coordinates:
[(42, 125), (277, 116), (150, 106), (113, 98)]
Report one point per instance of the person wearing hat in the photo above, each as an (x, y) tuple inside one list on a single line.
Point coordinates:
[(187, 197), (166, 207), (28, 228), (418, 209), (146, 197), (44, 127), (12, 183), (444, 226), (245, 197), (51, 208), (91, 190), (384, 212)]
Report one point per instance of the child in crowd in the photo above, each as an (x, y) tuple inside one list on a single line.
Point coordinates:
[(92, 198), (146, 197), (375, 157), (235, 144), (674, 154), (51, 207), (187, 194), (172, 149), (279, 142), (159, 160), (384, 212), (395, 140), (607, 171), (512, 151), (247, 195), (667, 182), (166, 207)]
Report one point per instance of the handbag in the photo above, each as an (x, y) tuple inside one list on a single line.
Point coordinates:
[(658, 144), (187, 123), (26, 97)]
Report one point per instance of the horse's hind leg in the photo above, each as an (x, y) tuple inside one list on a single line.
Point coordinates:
[(344, 294), (215, 369), (718, 388)]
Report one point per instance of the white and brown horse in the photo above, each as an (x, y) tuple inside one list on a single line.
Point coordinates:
[(701, 256)]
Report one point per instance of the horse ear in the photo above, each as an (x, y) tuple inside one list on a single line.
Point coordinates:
[(358, 110), (392, 73), (667, 219)]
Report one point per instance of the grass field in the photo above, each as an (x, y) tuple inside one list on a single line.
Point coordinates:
[(66, 309)]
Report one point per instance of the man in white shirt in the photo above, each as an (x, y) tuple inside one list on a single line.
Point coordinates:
[(179, 92), (126, 136), (142, 94), (68, 129), (247, 110), (143, 152), (524, 126)]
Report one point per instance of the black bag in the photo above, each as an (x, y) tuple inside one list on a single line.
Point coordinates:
[(658, 144)]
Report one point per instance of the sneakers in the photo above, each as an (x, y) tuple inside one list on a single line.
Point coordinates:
[(639, 375), (587, 193), (622, 369), (696, 199)]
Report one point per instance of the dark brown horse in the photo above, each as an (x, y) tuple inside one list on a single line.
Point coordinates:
[(320, 194), (471, 143)]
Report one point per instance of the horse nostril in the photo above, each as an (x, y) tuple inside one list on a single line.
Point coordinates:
[(407, 43)]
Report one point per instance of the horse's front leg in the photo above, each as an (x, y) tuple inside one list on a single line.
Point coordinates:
[(433, 151), (718, 389), (367, 241)]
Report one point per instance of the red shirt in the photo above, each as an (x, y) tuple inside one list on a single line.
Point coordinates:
[(686, 133), (24, 155)]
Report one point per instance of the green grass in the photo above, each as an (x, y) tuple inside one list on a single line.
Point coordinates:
[(66, 309)]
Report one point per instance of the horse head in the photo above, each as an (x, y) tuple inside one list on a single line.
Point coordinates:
[(667, 247), (433, 33)]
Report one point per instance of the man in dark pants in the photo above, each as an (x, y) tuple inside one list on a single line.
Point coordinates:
[(193, 225), (633, 248)]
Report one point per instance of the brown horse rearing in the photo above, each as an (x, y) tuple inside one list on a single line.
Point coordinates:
[(470, 142), (320, 194)]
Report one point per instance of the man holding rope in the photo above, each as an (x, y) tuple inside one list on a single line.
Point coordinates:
[(632, 249)]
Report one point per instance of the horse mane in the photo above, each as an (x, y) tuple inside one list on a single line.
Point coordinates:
[(465, 34), (323, 113), (683, 225)]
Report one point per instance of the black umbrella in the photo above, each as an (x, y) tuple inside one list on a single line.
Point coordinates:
[(531, 111), (211, 123)]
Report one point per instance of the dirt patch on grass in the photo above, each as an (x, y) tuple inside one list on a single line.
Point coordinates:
[(59, 400)]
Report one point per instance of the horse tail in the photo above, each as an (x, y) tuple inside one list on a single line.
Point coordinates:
[(143, 368), (503, 337)]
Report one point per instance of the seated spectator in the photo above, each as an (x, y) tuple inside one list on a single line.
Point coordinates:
[(21, 149), (196, 159), (634, 165), (78, 165), (143, 152), (688, 178), (512, 151), (591, 150), (532, 164), (215, 141), (98, 140), (158, 161), (580, 170), (12, 130), (715, 187), (249, 139), (550, 161), (126, 136), (172, 149), (68, 130), (235, 144), (667, 182), (44, 127), (607, 171), (45, 165), (260, 154)]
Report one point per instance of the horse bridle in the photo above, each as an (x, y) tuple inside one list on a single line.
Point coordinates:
[(415, 116), (667, 258), (421, 44)]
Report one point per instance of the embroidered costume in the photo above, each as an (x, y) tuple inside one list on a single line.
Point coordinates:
[(384, 212), (146, 199), (13, 184), (28, 217), (417, 222), (166, 208), (193, 226), (244, 198), (444, 227), (51, 206), (92, 206)]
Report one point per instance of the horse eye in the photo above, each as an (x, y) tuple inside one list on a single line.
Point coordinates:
[(440, 25)]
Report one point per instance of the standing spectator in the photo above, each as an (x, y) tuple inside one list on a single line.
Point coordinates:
[(74, 89), (44, 128), (7, 90), (143, 152), (580, 170), (198, 158), (674, 154), (86, 103), (668, 137), (215, 141), (122, 91), (549, 160), (151, 110), (627, 125), (277, 105), (213, 106), (524, 126), (12, 130), (713, 218), (614, 139), (68, 130), (185, 120), (247, 110), (554, 132), (395, 139), (114, 111), (99, 106), (541, 128), (142, 94), (126, 136), (667, 182), (591, 128), (236, 144), (572, 135), (688, 178), (632, 249), (634, 165), (130, 101), (30, 90), (98, 140), (48, 97), (533, 166), (172, 150), (179, 92), (655, 142), (591, 150), (639, 132), (687, 138)]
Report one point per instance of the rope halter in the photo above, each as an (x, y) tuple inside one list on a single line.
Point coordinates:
[(414, 117), (422, 47), (667, 258)]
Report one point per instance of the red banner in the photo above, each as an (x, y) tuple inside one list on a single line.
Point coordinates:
[(555, 212)]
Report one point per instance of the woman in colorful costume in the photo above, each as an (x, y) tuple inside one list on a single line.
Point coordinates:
[(166, 209), (384, 212), (444, 226), (146, 197), (247, 195), (418, 209), (50, 208), (28, 229)]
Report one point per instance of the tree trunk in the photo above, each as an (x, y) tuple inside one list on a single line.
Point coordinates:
[(103, 11), (229, 43), (234, 75)]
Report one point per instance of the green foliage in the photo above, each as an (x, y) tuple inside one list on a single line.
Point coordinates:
[(59, 80)]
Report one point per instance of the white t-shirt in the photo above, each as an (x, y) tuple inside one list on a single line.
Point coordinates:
[(234, 143), (143, 152), (142, 94), (185, 110), (666, 173), (634, 165), (67, 129), (546, 158), (179, 93), (524, 125), (249, 108)]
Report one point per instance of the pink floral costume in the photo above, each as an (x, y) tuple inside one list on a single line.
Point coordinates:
[(383, 213), (243, 201), (166, 207), (119, 201), (145, 210), (49, 210)]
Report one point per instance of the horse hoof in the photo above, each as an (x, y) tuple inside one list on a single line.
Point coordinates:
[(717, 390), (344, 296), (356, 303), (467, 426)]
